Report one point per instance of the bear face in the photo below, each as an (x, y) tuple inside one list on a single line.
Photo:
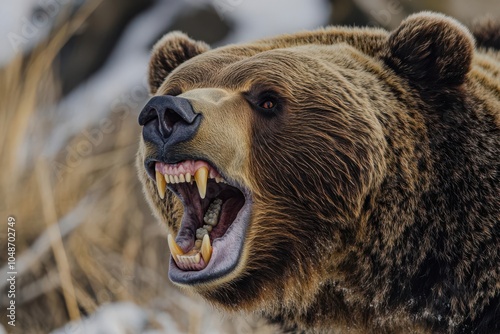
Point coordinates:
[(335, 179)]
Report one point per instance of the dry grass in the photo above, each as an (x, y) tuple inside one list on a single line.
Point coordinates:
[(85, 237)]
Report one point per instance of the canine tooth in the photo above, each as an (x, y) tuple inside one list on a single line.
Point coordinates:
[(201, 177), (188, 177), (160, 184), (175, 250), (206, 248), (181, 178)]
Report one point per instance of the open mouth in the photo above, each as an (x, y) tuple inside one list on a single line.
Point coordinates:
[(216, 215)]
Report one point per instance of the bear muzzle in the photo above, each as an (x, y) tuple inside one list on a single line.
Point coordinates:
[(195, 151), (168, 120)]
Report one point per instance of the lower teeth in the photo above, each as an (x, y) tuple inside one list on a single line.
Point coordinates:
[(200, 233), (202, 247), (211, 220)]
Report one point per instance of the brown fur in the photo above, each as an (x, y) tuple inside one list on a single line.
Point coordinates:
[(487, 32), (375, 187)]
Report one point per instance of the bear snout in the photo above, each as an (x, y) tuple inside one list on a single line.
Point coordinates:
[(168, 120)]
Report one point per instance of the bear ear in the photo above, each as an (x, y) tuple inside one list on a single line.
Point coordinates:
[(169, 52), (430, 49)]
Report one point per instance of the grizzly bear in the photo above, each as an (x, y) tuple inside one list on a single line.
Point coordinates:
[(343, 180)]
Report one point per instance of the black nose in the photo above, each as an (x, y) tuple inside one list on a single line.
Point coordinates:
[(168, 120)]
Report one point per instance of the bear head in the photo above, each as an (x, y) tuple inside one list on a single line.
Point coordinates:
[(288, 169)]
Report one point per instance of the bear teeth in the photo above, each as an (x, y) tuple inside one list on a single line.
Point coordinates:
[(201, 177), (185, 172), (161, 184), (206, 249), (202, 246), (192, 259), (189, 259), (212, 215), (211, 220), (175, 250)]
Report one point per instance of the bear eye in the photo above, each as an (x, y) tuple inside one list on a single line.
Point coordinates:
[(267, 104)]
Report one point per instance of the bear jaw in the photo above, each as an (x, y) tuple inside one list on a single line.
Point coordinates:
[(226, 236)]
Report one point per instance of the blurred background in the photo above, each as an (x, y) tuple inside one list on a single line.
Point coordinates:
[(90, 257)]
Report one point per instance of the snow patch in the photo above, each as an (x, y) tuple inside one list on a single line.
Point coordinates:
[(116, 318)]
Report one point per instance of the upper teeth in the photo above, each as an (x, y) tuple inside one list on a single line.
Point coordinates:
[(201, 176), (160, 184)]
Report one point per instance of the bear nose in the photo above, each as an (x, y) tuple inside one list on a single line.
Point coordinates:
[(168, 120)]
